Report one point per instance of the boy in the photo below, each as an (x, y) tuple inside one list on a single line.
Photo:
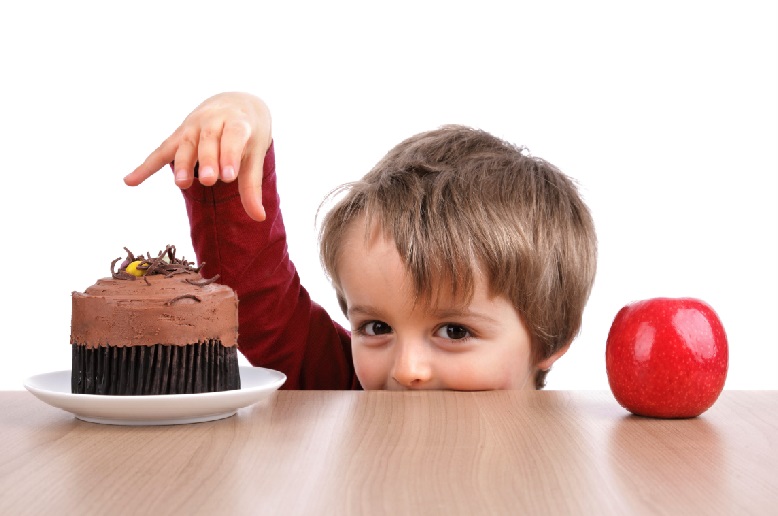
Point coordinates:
[(460, 262)]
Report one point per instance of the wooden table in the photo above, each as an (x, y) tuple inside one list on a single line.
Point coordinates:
[(547, 452)]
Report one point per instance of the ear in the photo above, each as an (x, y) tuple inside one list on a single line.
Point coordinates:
[(546, 363)]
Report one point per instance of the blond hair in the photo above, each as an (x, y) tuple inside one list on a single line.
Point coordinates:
[(458, 201)]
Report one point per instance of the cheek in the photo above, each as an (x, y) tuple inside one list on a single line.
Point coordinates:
[(518, 374), (489, 373), (370, 368), (519, 377)]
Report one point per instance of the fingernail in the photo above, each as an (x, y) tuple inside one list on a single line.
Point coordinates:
[(207, 173), (180, 176), (228, 173)]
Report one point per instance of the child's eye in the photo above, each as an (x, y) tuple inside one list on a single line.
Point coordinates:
[(453, 332), (373, 328)]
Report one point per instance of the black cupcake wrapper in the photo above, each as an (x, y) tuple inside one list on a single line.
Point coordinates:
[(159, 369)]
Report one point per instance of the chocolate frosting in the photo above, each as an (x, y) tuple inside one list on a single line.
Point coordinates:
[(166, 310)]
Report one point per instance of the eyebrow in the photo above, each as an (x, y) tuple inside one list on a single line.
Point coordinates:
[(364, 310), (456, 313), (446, 313)]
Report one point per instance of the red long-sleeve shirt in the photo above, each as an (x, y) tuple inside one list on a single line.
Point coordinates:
[(279, 326)]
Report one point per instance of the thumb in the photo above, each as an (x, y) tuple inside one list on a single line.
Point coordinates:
[(250, 186)]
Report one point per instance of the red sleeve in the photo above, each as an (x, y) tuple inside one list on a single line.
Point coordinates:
[(279, 326)]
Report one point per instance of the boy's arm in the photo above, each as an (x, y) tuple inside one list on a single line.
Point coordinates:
[(230, 135), (280, 327)]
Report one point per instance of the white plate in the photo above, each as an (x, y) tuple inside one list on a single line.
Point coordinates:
[(257, 384)]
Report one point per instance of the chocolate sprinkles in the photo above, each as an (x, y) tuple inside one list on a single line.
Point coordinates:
[(183, 296), (202, 282), (166, 263)]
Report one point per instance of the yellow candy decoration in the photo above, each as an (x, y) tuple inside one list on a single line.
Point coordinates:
[(133, 269)]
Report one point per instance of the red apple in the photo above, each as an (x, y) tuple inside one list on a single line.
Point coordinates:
[(667, 358)]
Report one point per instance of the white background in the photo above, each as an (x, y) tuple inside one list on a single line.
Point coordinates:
[(664, 112)]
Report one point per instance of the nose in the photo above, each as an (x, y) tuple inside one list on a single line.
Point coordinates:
[(412, 366)]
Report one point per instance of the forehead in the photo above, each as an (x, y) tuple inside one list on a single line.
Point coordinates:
[(357, 236), (368, 253), (369, 263)]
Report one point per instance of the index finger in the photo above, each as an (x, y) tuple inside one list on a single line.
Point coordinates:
[(161, 156)]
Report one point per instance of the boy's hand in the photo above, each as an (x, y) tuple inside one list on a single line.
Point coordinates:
[(228, 135)]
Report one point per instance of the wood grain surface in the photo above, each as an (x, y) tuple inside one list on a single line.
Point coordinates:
[(546, 452)]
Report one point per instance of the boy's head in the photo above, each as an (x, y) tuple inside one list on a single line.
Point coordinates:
[(426, 251)]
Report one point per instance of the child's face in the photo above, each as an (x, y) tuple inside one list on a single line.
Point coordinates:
[(483, 345)]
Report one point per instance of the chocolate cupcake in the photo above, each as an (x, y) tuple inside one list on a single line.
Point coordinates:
[(155, 327)]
